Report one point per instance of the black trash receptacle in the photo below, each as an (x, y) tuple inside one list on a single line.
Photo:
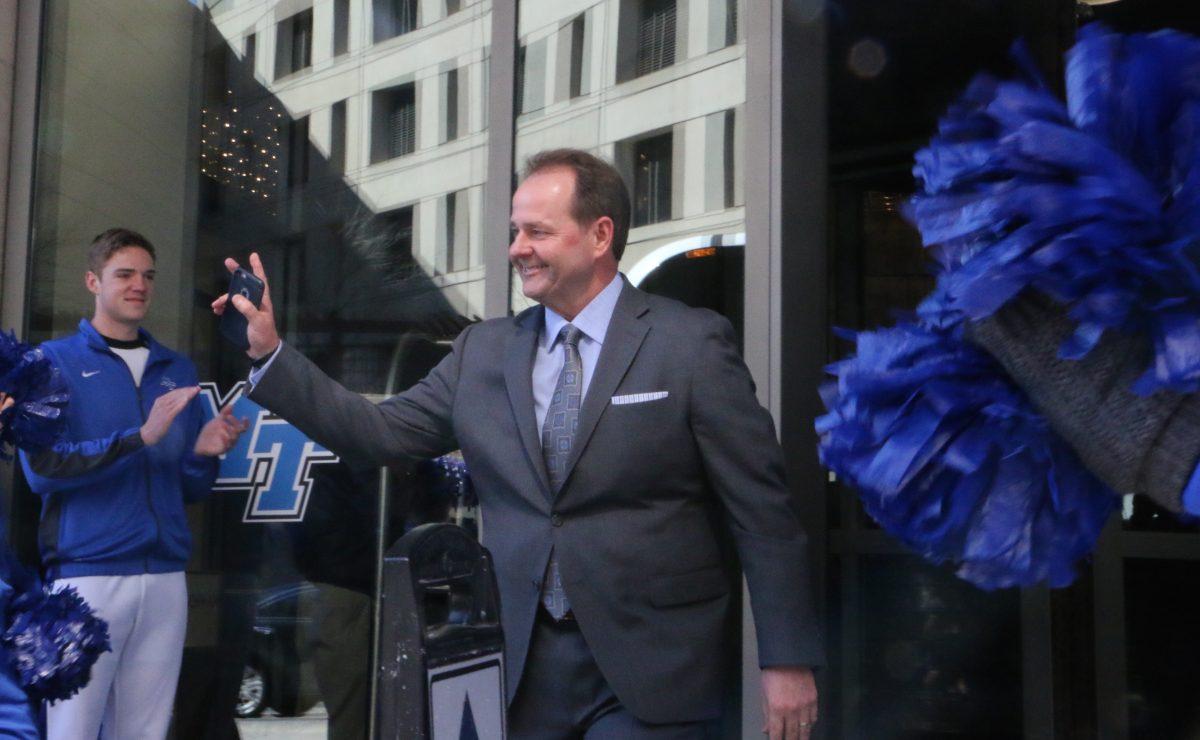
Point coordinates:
[(441, 657)]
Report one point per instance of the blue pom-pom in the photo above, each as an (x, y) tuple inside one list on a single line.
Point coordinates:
[(950, 458), (53, 639), (39, 395), (1094, 202), (449, 479)]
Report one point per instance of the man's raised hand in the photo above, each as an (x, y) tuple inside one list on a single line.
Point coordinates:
[(260, 329), (166, 408)]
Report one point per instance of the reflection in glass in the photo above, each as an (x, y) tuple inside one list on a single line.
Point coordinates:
[(393, 18), (652, 180), (1141, 513), (394, 122), (940, 658), (356, 171), (656, 36), (1163, 648), (293, 44), (578, 29)]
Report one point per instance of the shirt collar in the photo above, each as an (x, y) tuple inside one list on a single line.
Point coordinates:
[(592, 320)]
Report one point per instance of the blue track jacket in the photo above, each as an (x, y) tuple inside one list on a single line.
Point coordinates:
[(110, 505)]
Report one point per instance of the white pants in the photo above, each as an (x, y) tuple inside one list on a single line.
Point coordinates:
[(132, 689)]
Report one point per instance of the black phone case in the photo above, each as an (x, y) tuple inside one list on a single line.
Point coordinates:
[(233, 323)]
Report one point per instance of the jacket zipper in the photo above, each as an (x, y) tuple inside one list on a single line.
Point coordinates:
[(137, 389)]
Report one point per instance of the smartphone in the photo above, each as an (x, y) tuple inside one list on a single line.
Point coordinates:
[(233, 323)]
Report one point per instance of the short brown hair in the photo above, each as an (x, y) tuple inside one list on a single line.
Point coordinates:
[(599, 189), (114, 240)]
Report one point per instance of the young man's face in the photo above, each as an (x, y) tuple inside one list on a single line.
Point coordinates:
[(555, 256), (124, 287)]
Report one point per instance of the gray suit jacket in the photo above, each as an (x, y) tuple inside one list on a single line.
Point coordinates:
[(636, 521)]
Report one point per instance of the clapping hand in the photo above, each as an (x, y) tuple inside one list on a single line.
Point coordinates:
[(166, 407), (220, 434)]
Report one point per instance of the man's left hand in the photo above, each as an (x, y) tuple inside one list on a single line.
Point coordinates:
[(220, 434), (789, 702)]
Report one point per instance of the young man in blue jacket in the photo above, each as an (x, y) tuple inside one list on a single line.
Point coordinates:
[(113, 491)]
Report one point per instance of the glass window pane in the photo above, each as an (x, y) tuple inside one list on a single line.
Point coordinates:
[(1163, 648), (340, 180), (679, 152), (582, 82), (939, 657), (393, 18), (656, 36), (652, 180)]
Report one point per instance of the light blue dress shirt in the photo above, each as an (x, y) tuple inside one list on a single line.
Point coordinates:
[(548, 360)]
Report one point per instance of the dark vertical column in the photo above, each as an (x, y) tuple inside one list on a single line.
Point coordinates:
[(21, 43), (20, 56), (785, 188), (1112, 703), (1037, 665), (497, 191), (802, 329)]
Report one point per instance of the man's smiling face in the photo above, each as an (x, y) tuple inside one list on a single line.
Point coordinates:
[(555, 255), (124, 287)]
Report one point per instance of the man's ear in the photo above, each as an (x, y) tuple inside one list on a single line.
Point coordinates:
[(92, 281), (602, 232)]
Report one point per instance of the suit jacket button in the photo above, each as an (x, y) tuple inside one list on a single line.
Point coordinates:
[(556, 520)]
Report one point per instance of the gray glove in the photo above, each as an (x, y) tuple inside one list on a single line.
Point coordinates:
[(1135, 444)]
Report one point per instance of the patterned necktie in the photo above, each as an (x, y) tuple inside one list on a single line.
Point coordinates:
[(558, 437)]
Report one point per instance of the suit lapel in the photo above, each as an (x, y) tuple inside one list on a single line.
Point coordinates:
[(621, 344), (518, 377)]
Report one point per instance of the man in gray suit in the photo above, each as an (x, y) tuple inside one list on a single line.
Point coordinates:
[(610, 434)]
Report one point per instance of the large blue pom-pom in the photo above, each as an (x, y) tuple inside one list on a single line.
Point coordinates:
[(40, 397), (950, 458), (1094, 202), (53, 639)]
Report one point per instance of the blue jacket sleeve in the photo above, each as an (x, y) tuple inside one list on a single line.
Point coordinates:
[(70, 464)]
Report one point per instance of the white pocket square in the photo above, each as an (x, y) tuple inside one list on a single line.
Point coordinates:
[(638, 398)]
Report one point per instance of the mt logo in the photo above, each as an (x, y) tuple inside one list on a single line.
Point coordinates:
[(272, 460)]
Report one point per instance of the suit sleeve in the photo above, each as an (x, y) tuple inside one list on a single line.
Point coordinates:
[(81, 464), (413, 425), (744, 464)]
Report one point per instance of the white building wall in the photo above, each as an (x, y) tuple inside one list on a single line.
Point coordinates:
[(697, 27), (320, 130), (476, 246), (687, 98), (694, 165), (421, 179), (425, 248), (322, 51)]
